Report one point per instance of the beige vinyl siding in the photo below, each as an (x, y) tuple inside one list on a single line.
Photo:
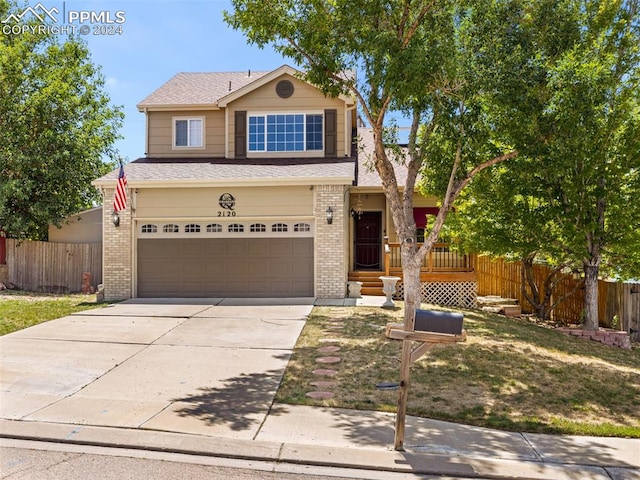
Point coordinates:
[(84, 227), (305, 98), (161, 134), (251, 202)]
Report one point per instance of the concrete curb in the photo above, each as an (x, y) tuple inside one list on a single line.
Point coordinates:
[(316, 455)]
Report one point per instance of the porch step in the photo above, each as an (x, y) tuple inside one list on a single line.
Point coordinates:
[(371, 284)]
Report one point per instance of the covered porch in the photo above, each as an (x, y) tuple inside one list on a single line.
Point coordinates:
[(440, 265), (447, 276)]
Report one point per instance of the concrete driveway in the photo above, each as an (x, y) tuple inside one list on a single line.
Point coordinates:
[(205, 366)]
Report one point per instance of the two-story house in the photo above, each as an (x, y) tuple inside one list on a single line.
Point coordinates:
[(253, 184)]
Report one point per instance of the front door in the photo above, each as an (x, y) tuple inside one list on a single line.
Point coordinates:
[(368, 241)]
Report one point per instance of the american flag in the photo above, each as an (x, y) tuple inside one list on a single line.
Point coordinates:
[(120, 199)]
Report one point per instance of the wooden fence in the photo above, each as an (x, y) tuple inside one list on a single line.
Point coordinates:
[(3, 249), (618, 303), (53, 267)]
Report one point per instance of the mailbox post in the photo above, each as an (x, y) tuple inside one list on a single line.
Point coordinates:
[(431, 327)]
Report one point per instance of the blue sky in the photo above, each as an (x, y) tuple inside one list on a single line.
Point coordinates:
[(159, 39)]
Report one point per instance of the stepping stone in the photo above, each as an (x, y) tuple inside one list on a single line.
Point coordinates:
[(320, 395), (325, 372), (329, 340), (323, 384), (328, 349), (328, 360)]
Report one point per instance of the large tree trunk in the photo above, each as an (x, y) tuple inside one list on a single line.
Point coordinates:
[(411, 282), (591, 269), (591, 266), (528, 279)]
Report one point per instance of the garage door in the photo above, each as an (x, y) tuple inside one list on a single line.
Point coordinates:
[(225, 267)]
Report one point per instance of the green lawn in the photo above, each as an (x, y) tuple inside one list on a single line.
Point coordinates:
[(20, 310), (510, 374)]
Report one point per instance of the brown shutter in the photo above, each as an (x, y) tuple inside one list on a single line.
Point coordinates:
[(241, 134), (330, 133)]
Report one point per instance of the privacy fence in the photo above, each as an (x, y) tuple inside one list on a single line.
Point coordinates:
[(619, 303), (53, 267)]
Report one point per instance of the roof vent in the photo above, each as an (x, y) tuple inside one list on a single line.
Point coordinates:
[(229, 85), (284, 88)]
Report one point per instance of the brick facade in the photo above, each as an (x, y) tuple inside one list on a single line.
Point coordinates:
[(117, 256), (330, 252)]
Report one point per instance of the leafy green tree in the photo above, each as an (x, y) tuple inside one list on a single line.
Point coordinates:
[(574, 185), (58, 129), (408, 60), (501, 215)]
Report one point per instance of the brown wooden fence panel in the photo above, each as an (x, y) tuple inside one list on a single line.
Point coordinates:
[(630, 320), (618, 303), (53, 267), (3, 249), (498, 277)]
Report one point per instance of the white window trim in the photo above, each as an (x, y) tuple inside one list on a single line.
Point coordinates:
[(305, 152), (225, 233), (187, 147)]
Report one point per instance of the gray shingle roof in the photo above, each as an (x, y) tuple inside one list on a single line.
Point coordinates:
[(367, 175), (199, 88), (215, 171)]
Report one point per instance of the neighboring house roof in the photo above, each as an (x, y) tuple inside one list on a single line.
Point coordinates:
[(173, 172)]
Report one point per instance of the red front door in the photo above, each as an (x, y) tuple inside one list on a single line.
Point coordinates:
[(368, 241)]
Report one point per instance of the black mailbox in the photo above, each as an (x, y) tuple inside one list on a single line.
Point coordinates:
[(438, 322)]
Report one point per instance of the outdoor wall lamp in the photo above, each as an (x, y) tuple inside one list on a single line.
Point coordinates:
[(329, 213), (115, 218)]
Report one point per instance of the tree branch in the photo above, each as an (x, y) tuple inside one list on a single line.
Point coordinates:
[(494, 161), (416, 23)]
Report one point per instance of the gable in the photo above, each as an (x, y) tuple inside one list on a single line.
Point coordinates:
[(298, 98), (303, 98)]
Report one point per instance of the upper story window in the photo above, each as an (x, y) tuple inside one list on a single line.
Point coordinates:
[(290, 132), (188, 132)]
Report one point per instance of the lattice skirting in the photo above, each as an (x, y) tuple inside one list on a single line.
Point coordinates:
[(449, 294)]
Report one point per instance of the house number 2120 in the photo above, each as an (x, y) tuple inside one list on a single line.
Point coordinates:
[(228, 213)]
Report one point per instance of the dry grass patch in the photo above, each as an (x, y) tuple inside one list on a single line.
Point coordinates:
[(510, 374)]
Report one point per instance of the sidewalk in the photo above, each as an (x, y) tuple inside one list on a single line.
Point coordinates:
[(362, 440), (122, 379)]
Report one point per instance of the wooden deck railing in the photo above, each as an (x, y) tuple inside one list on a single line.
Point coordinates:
[(439, 260)]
